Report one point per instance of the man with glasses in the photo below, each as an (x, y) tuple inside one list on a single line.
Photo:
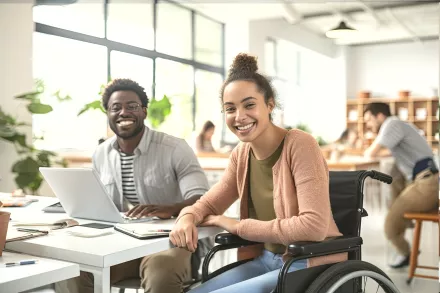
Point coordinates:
[(147, 173)]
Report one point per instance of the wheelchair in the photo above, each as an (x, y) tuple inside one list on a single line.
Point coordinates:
[(346, 199)]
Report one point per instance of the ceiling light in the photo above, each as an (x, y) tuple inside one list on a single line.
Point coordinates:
[(341, 31)]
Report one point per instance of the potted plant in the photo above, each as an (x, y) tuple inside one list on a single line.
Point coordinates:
[(26, 169)]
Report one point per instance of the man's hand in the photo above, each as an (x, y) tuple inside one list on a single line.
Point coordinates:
[(228, 224), (148, 210)]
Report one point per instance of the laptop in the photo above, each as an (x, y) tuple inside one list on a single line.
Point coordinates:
[(83, 195)]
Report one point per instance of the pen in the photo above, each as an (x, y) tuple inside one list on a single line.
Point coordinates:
[(159, 230), (19, 263), (32, 230)]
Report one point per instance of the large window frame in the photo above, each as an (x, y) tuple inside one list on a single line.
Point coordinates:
[(277, 76), (153, 54)]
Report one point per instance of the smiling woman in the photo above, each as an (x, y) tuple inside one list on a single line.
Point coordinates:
[(280, 178)]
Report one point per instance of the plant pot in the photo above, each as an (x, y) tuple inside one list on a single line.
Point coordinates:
[(4, 222), (364, 95), (404, 94)]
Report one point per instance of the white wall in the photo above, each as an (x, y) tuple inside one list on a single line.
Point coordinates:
[(236, 41), (16, 28), (385, 69), (321, 96), (260, 30)]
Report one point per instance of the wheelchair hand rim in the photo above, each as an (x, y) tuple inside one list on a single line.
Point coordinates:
[(357, 274)]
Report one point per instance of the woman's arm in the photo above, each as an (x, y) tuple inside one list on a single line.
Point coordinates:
[(310, 174), (220, 197), (214, 202)]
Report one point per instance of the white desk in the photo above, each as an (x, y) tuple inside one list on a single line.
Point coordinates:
[(26, 277), (95, 255)]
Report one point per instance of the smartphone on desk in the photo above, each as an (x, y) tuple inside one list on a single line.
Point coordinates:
[(97, 225)]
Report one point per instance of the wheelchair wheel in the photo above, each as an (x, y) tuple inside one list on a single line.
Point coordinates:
[(351, 276)]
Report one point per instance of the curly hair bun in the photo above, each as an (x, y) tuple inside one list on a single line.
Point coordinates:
[(244, 63)]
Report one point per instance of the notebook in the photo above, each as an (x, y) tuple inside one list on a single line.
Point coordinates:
[(17, 202), (47, 226), (144, 231)]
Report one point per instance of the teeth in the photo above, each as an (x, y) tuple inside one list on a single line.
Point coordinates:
[(245, 127), (125, 123)]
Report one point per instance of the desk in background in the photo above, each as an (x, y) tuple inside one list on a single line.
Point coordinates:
[(27, 277)]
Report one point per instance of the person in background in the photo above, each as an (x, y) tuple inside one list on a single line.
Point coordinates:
[(146, 173), (415, 186), (280, 178), (204, 139), (349, 139)]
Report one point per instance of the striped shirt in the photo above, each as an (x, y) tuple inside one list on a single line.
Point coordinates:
[(127, 172), (166, 170)]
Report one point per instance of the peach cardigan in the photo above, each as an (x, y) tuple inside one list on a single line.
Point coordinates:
[(301, 196)]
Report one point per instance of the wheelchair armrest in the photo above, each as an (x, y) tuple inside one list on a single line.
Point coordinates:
[(228, 238), (329, 245)]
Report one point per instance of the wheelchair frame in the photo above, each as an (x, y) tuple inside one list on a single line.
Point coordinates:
[(305, 249)]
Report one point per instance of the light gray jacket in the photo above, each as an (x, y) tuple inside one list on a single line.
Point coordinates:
[(166, 170)]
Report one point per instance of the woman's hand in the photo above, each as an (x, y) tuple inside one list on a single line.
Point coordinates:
[(184, 233), (228, 224)]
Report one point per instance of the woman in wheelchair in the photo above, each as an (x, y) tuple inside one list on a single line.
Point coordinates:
[(280, 178)]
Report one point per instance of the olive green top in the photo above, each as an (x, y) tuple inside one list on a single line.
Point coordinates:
[(261, 192)]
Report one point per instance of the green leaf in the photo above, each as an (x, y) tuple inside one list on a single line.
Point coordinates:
[(6, 119), (63, 163), (32, 96), (16, 138), (158, 111), (23, 124), (7, 131), (39, 85), (61, 98), (38, 108), (27, 165), (102, 89), (95, 105), (24, 180), (36, 183), (43, 159)]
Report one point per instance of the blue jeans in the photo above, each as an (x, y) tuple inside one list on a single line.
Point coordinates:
[(257, 276)]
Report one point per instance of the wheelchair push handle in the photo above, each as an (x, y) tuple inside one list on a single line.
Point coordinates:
[(381, 176)]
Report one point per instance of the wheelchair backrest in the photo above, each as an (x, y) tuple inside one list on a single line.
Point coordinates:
[(346, 200)]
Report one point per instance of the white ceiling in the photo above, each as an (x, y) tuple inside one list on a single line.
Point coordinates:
[(404, 20)]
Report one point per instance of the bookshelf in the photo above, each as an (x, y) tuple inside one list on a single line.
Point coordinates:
[(422, 112)]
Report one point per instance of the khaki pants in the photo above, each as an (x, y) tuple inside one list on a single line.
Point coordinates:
[(163, 272), (421, 195)]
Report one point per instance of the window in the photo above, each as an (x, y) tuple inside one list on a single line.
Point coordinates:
[(176, 81), (208, 105), (84, 16), (78, 69), (151, 42), (282, 66), (208, 41), (131, 23), (174, 30), (137, 68), (270, 58)]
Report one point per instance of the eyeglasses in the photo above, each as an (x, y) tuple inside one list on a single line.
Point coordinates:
[(131, 107)]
